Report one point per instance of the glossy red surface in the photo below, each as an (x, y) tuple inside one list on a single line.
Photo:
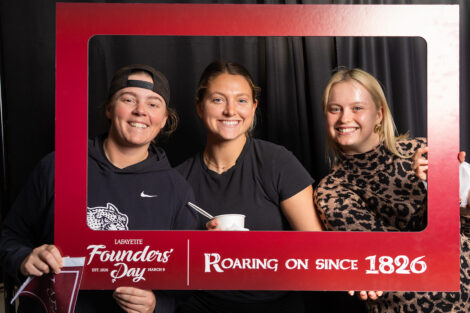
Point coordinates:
[(438, 243)]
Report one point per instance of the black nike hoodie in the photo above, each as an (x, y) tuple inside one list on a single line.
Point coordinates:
[(149, 195)]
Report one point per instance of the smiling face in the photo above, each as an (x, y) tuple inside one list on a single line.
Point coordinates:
[(227, 108), (137, 115), (351, 116)]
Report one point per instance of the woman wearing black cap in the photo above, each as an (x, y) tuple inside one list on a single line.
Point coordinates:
[(125, 172)]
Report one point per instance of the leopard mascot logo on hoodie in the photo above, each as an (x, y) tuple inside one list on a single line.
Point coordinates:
[(106, 218)]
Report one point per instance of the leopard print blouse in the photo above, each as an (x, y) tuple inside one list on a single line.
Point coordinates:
[(378, 191)]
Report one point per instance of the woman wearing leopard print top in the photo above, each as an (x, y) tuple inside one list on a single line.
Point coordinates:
[(372, 186)]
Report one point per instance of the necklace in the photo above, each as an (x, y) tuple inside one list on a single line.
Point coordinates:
[(213, 166)]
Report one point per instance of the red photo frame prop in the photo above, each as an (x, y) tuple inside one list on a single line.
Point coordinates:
[(420, 261)]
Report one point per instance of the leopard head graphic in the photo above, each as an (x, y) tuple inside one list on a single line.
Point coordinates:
[(106, 218)]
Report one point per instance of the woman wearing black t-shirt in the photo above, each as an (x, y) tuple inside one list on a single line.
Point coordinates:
[(239, 174)]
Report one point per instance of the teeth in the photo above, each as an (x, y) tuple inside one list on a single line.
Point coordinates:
[(346, 130), (230, 123), (138, 125)]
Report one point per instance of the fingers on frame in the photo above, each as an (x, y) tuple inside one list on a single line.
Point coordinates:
[(36, 268), (50, 259), (56, 253), (372, 295)]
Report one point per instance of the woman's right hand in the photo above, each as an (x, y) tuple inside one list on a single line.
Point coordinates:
[(42, 260), (364, 295), (211, 225)]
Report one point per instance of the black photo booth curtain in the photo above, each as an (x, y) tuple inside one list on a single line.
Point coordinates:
[(291, 71)]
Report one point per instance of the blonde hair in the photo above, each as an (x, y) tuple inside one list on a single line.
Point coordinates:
[(388, 131)]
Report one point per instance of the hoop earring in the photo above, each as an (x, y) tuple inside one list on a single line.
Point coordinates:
[(377, 128)]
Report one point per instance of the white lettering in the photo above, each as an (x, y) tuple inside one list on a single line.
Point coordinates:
[(338, 264), (128, 241), (296, 263), (145, 255), (124, 271), (215, 262)]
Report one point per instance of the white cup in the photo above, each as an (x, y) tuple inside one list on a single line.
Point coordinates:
[(230, 222)]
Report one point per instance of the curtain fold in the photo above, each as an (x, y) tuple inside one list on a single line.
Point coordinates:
[(291, 71)]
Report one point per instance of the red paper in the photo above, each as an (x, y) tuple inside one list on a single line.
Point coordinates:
[(57, 293)]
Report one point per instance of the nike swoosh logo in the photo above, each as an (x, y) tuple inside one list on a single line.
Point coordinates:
[(143, 195)]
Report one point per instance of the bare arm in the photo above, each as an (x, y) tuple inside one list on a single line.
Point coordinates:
[(300, 212)]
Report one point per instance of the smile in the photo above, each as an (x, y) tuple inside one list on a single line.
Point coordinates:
[(230, 122), (138, 125), (346, 130)]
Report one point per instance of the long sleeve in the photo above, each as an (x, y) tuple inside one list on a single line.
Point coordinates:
[(30, 221), (344, 210)]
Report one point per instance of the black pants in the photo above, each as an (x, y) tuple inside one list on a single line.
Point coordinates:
[(206, 302)]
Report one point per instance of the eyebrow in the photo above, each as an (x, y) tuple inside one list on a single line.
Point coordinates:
[(223, 94), (155, 98), (352, 103), (127, 93), (151, 97)]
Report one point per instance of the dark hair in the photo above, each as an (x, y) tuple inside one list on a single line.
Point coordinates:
[(170, 125), (220, 67)]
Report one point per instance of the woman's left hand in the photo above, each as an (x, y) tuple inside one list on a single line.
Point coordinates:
[(461, 158), (135, 300), (420, 163)]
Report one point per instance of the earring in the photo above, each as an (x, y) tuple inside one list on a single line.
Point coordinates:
[(378, 128)]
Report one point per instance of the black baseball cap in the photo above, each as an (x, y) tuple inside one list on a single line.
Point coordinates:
[(160, 83)]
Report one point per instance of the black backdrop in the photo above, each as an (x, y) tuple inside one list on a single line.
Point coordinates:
[(291, 72)]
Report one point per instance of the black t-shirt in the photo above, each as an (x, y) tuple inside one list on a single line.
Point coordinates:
[(264, 175)]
